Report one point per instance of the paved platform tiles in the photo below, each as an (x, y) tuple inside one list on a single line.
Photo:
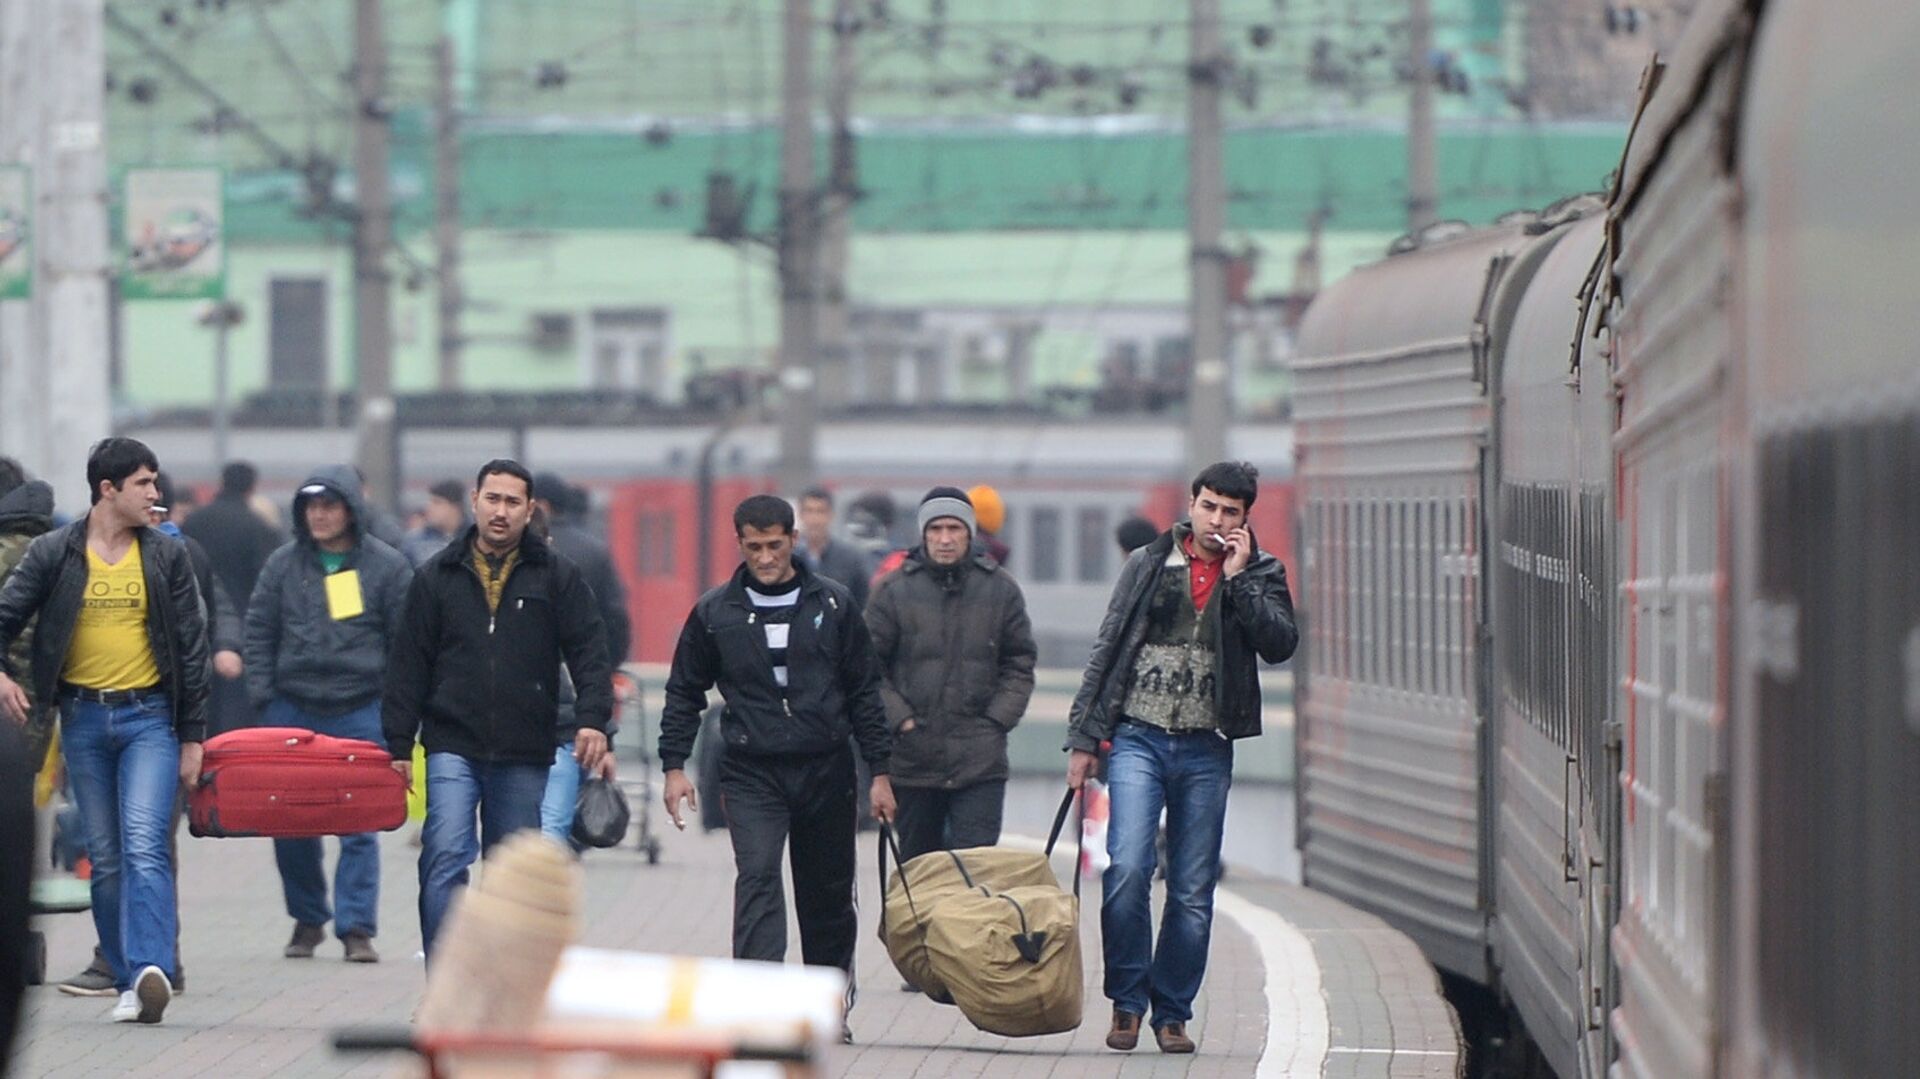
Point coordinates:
[(1366, 1008)]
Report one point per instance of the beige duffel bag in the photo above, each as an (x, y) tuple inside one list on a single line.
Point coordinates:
[(991, 931)]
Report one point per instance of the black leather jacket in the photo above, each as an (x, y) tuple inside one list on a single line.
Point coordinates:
[(50, 581), (1254, 614), (833, 680)]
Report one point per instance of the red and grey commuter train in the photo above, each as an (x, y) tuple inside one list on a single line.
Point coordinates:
[(1609, 693), (665, 489)]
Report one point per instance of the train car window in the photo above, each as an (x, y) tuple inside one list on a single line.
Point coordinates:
[(1095, 542), (656, 543), (1044, 540)]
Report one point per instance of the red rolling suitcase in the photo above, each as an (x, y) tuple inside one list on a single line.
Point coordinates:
[(288, 783)]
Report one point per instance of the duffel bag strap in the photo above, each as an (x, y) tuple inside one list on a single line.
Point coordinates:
[(887, 842), (1080, 845)]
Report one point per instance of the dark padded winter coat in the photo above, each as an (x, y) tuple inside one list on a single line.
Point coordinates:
[(958, 662), (51, 581), (833, 688), (1253, 615), (295, 648), (26, 513), (462, 679)]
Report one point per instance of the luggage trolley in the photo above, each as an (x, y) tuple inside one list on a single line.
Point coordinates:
[(536, 1053), (629, 703)]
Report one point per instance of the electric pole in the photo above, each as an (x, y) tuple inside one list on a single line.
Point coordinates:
[(375, 443), (69, 335), (1423, 191), (1208, 410), (843, 185), (799, 254), (446, 222), (22, 381)]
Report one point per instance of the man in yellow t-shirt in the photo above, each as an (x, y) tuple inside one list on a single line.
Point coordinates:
[(121, 643)]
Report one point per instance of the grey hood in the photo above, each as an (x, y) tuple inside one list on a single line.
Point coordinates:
[(344, 482), (27, 509)]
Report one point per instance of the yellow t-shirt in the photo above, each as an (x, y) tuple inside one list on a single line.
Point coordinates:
[(110, 649)]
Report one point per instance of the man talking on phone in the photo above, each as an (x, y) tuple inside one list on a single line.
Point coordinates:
[(1173, 680), (791, 655)]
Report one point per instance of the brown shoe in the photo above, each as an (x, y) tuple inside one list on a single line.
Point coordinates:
[(360, 948), (1173, 1038), (1125, 1033), (305, 939)]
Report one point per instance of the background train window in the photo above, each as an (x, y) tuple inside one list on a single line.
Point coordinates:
[(1043, 540), (656, 543), (1096, 543)]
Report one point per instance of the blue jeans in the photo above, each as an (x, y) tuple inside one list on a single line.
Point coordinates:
[(563, 795), (124, 763), (356, 879), (507, 799), (1188, 775)]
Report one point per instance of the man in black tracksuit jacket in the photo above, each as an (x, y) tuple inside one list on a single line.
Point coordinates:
[(474, 675), (792, 658)]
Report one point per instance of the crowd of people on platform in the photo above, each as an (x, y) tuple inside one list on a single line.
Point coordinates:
[(852, 664)]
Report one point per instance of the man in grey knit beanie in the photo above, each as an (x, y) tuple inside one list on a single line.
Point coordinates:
[(956, 655)]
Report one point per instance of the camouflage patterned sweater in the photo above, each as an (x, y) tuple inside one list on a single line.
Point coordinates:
[(26, 512)]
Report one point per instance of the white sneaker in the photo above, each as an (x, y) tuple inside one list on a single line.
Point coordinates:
[(128, 1009), (152, 991)]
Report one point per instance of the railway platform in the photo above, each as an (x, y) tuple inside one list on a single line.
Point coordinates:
[(1298, 984)]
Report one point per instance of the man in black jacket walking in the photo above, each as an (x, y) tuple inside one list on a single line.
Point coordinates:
[(794, 663), (121, 644), (1173, 680), (956, 653), (323, 617), (474, 676)]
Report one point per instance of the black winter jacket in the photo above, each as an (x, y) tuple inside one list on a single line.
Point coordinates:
[(958, 662), (833, 684), (51, 581), (236, 542), (1254, 621), (295, 648), (590, 553), (484, 685)]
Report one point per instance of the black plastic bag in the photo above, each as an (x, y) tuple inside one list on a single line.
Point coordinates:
[(600, 816)]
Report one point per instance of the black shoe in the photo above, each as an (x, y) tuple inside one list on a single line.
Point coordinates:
[(95, 981), (305, 939)]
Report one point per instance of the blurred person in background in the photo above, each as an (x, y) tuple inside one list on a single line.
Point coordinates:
[(237, 542), (566, 509), (869, 527), (956, 654), (990, 513), (1134, 533), (322, 620), (26, 511), (380, 524), (832, 559), (17, 768), (446, 516)]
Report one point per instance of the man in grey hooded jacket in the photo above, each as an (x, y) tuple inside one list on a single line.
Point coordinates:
[(323, 616)]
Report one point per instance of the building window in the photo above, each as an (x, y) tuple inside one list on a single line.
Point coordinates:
[(1095, 544), (297, 333), (628, 350), (1043, 539)]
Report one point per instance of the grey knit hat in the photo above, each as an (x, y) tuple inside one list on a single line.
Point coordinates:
[(946, 502)]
